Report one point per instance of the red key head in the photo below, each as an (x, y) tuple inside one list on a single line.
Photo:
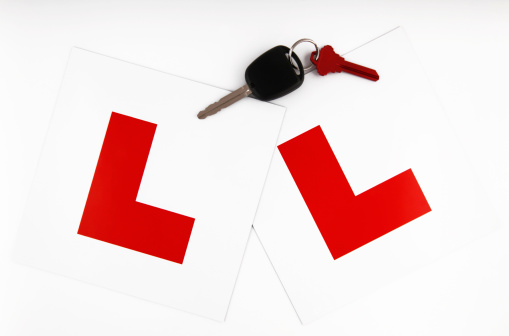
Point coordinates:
[(328, 61)]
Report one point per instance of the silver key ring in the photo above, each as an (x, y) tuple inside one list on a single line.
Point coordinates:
[(312, 66)]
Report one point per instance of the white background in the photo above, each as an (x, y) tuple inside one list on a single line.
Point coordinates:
[(463, 47)]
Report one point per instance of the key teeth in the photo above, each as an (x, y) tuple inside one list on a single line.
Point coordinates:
[(211, 110), (226, 101), (204, 114)]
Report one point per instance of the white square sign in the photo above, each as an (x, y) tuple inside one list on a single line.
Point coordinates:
[(133, 192), (368, 182)]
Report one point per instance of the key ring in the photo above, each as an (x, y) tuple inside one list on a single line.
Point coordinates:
[(312, 66)]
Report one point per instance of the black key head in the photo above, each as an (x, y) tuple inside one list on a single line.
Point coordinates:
[(271, 75)]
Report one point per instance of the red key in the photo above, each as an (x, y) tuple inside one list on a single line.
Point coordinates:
[(328, 61)]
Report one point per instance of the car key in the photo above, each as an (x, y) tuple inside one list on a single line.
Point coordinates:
[(279, 71), (270, 76)]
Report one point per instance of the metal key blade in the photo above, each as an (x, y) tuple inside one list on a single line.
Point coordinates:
[(226, 101), (359, 70)]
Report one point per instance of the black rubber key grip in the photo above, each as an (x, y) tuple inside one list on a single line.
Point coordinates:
[(271, 75)]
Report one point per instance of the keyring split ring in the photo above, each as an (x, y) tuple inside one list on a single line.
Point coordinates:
[(312, 66)]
